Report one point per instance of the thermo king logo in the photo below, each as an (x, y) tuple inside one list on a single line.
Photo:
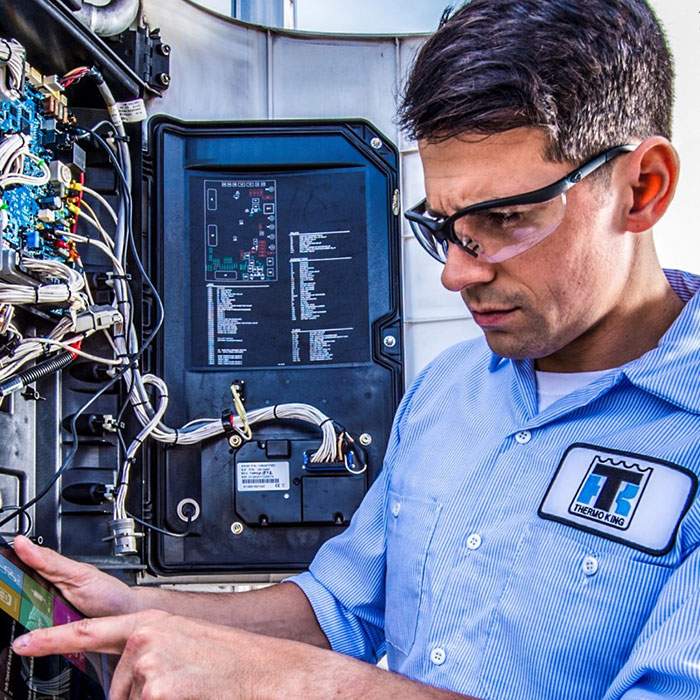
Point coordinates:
[(610, 492)]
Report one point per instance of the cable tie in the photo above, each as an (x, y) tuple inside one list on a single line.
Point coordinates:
[(322, 423), (140, 403), (274, 412), (177, 437), (114, 276), (36, 295)]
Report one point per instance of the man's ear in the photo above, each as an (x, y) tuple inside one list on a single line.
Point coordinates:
[(652, 175)]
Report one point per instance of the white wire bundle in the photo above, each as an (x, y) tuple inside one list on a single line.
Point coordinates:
[(212, 428), (123, 486), (51, 293), (14, 149), (30, 349), (15, 61)]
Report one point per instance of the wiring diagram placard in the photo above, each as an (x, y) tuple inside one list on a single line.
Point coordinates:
[(279, 273)]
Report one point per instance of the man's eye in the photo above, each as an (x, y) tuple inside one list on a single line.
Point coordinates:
[(503, 218)]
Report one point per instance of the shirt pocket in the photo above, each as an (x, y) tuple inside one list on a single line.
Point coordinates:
[(579, 601), (411, 523)]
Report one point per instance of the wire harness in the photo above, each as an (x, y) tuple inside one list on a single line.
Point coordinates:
[(63, 289)]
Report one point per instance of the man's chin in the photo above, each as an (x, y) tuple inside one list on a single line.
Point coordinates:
[(511, 346)]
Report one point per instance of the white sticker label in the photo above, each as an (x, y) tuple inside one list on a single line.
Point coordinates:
[(134, 111), (262, 476), (623, 496)]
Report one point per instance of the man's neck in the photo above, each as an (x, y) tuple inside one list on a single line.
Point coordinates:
[(627, 332)]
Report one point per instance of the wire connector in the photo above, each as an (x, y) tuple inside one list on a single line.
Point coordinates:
[(123, 536), (97, 318)]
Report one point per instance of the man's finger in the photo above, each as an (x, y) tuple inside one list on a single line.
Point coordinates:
[(123, 685), (107, 635), (49, 564)]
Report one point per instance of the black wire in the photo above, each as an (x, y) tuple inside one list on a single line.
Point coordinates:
[(137, 258), (160, 311), (28, 529), (120, 416), (130, 233), (71, 453), (161, 530)]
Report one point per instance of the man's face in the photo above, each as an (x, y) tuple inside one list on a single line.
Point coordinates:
[(535, 304)]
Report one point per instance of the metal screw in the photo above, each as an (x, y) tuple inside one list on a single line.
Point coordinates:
[(389, 341), (376, 143), (286, 496), (164, 79), (40, 540), (365, 439), (235, 441), (237, 528), (164, 49)]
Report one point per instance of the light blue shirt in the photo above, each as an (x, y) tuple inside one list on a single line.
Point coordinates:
[(486, 558)]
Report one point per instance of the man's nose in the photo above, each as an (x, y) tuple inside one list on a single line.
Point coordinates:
[(463, 270)]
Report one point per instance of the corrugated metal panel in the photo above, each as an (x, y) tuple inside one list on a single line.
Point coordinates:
[(332, 78), (219, 67)]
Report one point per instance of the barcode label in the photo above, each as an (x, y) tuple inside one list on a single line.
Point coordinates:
[(132, 112), (262, 476)]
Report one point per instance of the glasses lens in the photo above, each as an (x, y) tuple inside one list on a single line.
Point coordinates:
[(435, 247), (503, 232)]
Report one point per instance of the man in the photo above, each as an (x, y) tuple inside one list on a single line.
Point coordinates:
[(534, 532)]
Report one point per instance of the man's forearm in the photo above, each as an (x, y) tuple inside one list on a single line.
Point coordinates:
[(281, 611), (316, 674)]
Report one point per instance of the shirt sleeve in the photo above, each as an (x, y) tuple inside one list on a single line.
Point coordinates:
[(345, 582), (665, 661)]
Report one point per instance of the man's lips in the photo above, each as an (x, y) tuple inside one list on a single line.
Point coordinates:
[(488, 318)]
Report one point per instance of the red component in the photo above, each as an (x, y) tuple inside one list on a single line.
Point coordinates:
[(262, 248), (77, 344)]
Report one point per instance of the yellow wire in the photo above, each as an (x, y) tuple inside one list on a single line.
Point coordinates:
[(246, 431)]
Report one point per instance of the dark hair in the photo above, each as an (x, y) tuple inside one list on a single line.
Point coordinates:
[(591, 74)]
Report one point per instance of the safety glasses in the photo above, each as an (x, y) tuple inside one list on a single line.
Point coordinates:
[(499, 229)]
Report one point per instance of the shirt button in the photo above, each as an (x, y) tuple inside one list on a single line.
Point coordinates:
[(437, 656), (474, 541), (523, 437), (396, 509), (590, 565)]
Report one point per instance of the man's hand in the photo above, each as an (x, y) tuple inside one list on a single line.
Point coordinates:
[(166, 656), (90, 590), (163, 656)]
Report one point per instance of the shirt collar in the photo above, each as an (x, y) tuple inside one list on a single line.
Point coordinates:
[(671, 370)]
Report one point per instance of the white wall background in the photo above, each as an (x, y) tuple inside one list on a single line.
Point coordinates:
[(677, 236)]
